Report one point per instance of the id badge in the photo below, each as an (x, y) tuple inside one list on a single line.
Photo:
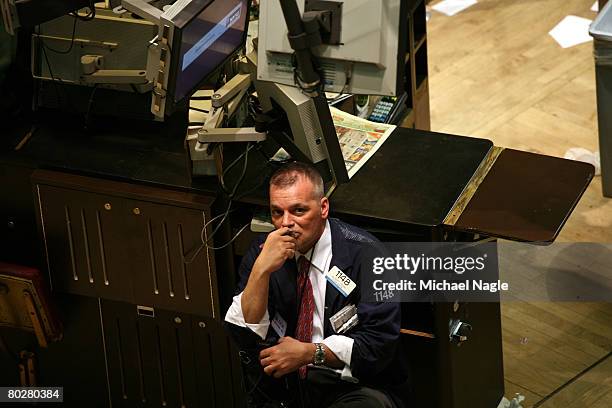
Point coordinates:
[(340, 281), (345, 319), (279, 325)]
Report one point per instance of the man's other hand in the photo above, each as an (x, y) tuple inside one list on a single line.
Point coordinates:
[(285, 357), (279, 247)]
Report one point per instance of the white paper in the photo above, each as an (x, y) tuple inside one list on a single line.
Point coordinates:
[(452, 7), (584, 155), (572, 30), (359, 138), (595, 7)]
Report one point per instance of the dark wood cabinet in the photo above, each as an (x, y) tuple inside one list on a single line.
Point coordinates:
[(127, 242), (131, 252), (161, 358)]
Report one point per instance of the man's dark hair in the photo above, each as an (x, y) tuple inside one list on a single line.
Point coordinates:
[(289, 174)]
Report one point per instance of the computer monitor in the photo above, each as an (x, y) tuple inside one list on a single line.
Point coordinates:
[(368, 59), (27, 14), (303, 139), (149, 67), (197, 38)]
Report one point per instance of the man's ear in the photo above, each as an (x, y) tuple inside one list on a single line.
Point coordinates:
[(324, 208)]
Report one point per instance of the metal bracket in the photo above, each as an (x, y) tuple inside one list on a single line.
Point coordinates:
[(143, 9), (116, 76), (223, 135), (232, 88), (329, 14), (458, 331), (225, 101)]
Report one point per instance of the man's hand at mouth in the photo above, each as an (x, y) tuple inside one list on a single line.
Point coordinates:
[(279, 246)]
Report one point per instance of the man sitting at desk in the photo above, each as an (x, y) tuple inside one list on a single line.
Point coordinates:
[(285, 302)]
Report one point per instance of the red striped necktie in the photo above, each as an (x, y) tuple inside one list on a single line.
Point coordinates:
[(303, 330)]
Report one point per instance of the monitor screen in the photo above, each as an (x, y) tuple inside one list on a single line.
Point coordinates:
[(206, 41)]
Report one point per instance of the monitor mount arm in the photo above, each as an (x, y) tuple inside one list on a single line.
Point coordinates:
[(225, 102), (93, 73), (305, 33), (143, 9)]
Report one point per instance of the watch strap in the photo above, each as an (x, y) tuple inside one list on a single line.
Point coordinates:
[(319, 354)]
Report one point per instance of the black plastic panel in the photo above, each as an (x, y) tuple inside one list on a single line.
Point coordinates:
[(169, 359)]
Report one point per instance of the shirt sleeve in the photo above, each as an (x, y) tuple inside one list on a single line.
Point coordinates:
[(234, 315), (342, 347)]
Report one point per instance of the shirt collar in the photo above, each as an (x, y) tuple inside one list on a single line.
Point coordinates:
[(322, 250)]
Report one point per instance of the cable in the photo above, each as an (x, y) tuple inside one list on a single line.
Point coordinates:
[(53, 80), (232, 164), (261, 179), (231, 196), (224, 215), (231, 240), (89, 105), (214, 231), (72, 38), (199, 248), (244, 169), (90, 16), (348, 72)]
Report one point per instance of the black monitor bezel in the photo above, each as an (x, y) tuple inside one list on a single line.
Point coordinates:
[(35, 12), (194, 9)]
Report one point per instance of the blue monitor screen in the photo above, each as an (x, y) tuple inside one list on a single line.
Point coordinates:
[(207, 40)]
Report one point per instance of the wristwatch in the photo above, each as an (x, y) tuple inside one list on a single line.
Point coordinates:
[(319, 354)]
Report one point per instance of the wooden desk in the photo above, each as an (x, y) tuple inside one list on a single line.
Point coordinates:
[(526, 197), (405, 192)]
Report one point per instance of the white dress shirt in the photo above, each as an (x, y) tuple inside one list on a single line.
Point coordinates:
[(341, 346)]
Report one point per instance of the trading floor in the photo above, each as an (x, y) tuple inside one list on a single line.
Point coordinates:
[(495, 72)]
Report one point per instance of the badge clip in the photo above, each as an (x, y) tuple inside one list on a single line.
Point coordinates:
[(345, 319)]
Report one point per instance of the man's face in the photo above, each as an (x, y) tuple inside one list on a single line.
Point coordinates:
[(297, 208)]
